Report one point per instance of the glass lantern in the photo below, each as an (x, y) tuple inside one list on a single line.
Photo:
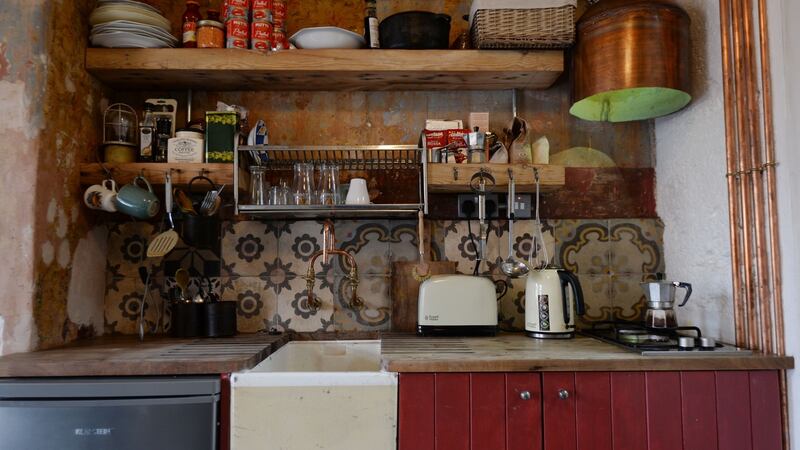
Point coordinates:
[(120, 125)]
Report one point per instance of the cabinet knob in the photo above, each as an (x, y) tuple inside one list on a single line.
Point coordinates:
[(563, 394), (525, 395)]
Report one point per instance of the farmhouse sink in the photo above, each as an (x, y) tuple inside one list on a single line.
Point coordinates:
[(316, 394)]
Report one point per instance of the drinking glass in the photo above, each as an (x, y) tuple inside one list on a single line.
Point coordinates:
[(329, 185), (278, 195), (258, 187), (303, 183)]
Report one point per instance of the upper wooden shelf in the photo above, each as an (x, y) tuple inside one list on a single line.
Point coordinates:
[(325, 70), (219, 173), (452, 178)]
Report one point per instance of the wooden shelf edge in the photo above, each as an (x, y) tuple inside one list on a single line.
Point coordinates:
[(219, 173), (455, 178), (330, 69)]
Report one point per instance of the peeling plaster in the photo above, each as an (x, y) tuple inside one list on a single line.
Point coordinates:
[(63, 254), (48, 253), (87, 282), (52, 208)]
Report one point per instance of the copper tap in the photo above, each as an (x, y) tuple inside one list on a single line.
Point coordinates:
[(329, 248)]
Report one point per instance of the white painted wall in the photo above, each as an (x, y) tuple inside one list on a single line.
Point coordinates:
[(785, 55), (691, 189)]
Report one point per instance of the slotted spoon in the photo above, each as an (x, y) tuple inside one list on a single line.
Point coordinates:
[(166, 241)]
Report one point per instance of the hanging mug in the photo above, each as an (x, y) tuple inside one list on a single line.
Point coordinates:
[(137, 201), (102, 196)]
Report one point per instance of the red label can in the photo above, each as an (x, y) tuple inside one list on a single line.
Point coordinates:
[(260, 44), (278, 39), (234, 42), (262, 9), (279, 13), (237, 27), (261, 31), (238, 3), (237, 11)]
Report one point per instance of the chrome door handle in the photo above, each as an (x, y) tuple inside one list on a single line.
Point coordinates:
[(563, 394), (525, 395)]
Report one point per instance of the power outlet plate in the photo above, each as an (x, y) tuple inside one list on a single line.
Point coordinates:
[(495, 206)]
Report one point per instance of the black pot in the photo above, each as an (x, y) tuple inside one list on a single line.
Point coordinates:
[(415, 30)]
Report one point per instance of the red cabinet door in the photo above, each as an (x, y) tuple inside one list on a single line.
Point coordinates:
[(558, 394), (523, 412), (593, 410), (415, 411)]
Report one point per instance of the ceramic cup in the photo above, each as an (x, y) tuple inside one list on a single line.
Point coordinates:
[(102, 196), (358, 193), (137, 201)]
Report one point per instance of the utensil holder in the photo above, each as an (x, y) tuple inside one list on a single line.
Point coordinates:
[(201, 231), (219, 319), (185, 320)]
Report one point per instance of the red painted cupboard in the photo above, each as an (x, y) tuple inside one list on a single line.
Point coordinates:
[(725, 410)]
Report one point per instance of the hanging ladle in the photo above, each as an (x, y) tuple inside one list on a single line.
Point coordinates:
[(511, 267)]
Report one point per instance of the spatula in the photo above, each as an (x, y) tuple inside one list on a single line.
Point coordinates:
[(166, 241), (421, 271)]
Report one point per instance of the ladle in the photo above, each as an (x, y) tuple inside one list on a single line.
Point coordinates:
[(511, 267)]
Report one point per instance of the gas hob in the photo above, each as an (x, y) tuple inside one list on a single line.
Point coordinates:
[(679, 341)]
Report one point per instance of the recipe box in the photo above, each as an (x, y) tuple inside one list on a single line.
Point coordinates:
[(221, 135)]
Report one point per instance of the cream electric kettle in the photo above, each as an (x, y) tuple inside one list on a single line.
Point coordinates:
[(550, 308)]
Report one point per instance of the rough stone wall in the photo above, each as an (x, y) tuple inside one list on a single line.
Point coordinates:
[(52, 113)]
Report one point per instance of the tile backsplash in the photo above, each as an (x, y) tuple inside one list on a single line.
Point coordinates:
[(260, 265)]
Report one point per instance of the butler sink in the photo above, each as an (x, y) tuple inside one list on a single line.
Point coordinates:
[(316, 394)]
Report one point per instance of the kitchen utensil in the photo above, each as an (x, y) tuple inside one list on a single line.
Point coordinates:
[(326, 37), (184, 202), (661, 301), (405, 291), (102, 196), (511, 267), (182, 280), (421, 271), (538, 236), (144, 275), (210, 201), (136, 201), (415, 30), (358, 193), (166, 241), (457, 305), (549, 311)]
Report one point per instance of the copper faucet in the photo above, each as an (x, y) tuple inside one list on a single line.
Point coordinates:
[(329, 248)]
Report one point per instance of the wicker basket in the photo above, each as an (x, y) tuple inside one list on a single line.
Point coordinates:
[(524, 28)]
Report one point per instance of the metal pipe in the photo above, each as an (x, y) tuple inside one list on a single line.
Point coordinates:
[(750, 294), (757, 179), (769, 168), (734, 195)]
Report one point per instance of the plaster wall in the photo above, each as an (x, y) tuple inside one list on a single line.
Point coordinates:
[(691, 190), (785, 56)]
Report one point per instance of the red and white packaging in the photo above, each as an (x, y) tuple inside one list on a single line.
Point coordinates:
[(237, 28), (261, 36), (234, 42), (262, 10), (435, 139), (279, 14), (279, 39), (456, 137)]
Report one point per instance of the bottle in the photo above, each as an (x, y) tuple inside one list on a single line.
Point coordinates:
[(147, 132), (189, 28), (371, 25), (162, 137), (213, 14)]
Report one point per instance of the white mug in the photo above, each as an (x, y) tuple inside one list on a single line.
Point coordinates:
[(102, 196), (358, 193)]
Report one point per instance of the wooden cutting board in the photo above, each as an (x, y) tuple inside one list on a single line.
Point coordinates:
[(405, 290)]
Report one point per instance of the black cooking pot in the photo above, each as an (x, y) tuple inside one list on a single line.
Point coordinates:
[(415, 30)]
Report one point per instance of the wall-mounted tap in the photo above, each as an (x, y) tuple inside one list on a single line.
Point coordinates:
[(329, 248)]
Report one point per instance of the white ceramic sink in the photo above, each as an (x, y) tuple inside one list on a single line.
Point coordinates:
[(316, 394)]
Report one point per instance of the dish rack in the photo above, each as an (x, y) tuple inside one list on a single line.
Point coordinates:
[(390, 164)]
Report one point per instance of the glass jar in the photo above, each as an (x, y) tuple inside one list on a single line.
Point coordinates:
[(258, 186), (189, 24), (210, 34), (303, 184), (329, 185)]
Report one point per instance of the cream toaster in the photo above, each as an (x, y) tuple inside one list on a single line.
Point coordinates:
[(457, 305)]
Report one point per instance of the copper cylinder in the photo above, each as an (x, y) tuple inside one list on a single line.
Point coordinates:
[(624, 45)]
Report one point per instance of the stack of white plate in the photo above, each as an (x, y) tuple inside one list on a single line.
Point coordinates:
[(129, 24)]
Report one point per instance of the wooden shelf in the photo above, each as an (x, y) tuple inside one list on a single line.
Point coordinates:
[(321, 70), (219, 173), (453, 178)]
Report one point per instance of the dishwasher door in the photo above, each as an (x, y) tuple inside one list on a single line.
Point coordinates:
[(124, 414)]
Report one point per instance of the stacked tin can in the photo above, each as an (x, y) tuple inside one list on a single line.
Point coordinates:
[(237, 23), (261, 28), (279, 39)]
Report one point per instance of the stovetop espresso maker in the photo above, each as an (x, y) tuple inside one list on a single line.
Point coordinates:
[(661, 301)]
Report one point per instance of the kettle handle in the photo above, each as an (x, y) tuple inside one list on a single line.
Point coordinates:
[(569, 278), (688, 288)]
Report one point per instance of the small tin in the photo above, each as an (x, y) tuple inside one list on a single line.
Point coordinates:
[(238, 28), (261, 35), (279, 14), (262, 10), (278, 39)]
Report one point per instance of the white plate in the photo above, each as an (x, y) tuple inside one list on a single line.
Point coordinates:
[(103, 14), (129, 3), (124, 34), (124, 25), (326, 37), (126, 40)]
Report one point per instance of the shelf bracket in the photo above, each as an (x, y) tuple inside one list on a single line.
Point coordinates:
[(455, 173)]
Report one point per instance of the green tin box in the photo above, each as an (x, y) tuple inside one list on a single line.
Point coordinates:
[(221, 129)]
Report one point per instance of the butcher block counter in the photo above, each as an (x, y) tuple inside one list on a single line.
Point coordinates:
[(127, 356), (515, 352)]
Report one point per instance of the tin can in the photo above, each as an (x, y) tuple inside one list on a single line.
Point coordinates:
[(278, 39), (279, 14), (234, 42), (261, 33), (237, 27), (262, 10)]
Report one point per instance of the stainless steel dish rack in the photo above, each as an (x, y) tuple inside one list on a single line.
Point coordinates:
[(349, 158)]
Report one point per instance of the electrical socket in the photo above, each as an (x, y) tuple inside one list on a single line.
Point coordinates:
[(495, 206)]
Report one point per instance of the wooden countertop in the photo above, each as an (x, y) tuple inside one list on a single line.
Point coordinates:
[(127, 356), (517, 353)]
